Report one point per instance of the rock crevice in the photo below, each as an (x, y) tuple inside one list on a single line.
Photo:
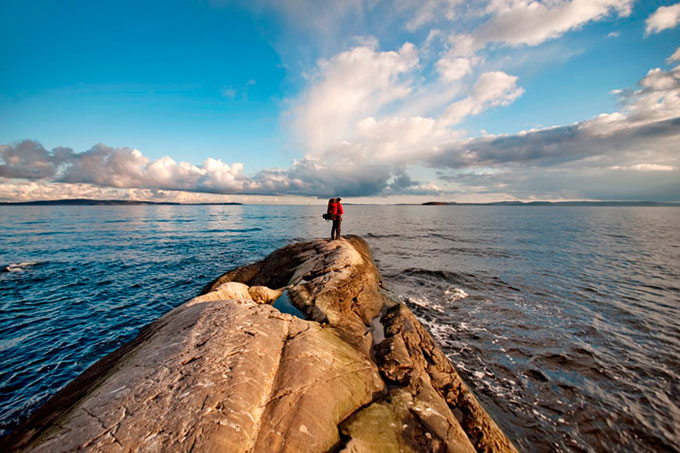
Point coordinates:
[(226, 371)]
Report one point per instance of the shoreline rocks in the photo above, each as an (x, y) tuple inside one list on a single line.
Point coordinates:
[(227, 372)]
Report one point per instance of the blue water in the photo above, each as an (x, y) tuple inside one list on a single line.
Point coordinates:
[(284, 305), (563, 320)]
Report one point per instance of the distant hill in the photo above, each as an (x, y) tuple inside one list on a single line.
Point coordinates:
[(554, 203), (87, 202)]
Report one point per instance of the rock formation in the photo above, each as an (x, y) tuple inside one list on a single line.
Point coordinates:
[(227, 372)]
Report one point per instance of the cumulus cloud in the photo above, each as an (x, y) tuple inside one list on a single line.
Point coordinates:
[(629, 154), (30, 160), (663, 18), (559, 145), (373, 106), (455, 68), (347, 88), (125, 168), (491, 89), (635, 147), (657, 98), (647, 128), (117, 167)]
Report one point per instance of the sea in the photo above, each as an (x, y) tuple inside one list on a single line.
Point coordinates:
[(564, 321)]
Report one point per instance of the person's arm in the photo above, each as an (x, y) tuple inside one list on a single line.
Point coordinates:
[(340, 210)]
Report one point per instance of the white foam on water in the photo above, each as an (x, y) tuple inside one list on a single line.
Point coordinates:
[(424, 302), (19, 267), (440, 331), (455, 294)]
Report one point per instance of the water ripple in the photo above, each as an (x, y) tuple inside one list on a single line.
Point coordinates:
[(563, 320)]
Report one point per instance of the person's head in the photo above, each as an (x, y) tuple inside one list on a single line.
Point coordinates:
[(337, 200)]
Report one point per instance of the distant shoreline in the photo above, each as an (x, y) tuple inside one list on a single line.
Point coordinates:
[(89, 202), (557, 203)]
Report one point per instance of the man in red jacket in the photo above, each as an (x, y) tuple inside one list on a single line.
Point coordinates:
[(336, 212)]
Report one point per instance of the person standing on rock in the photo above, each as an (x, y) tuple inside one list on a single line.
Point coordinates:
[(336, 215), (330, 214)]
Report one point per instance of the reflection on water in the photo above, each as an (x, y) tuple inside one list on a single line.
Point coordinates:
[(563, 320)]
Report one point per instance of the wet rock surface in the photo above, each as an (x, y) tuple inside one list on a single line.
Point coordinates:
[(228, 372)]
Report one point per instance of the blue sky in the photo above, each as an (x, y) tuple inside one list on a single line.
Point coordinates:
[(381, 101)]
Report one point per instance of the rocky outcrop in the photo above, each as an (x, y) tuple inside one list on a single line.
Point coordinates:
[(226, 371)]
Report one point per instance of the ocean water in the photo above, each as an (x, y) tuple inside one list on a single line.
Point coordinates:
[(565, 321)]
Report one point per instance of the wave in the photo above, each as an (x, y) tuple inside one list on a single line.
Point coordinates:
[(20, 267), (451, 294), (234, 230), (469, 281), (383, 236)]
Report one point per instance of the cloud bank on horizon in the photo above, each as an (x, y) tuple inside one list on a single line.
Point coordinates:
[(366, 119)]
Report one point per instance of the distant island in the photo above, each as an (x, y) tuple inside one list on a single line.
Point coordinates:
[(554, 203), (88, 202)]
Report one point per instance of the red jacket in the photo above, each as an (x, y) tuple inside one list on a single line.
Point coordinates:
[(335, 210), (338, 211)]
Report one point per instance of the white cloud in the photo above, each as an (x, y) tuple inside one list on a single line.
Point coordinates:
[(370, 105), (674, 57), (455, 68), (119, 167), (422, 12), (644, 132), (125, 168), (645, 167), (21, 190), (632, 153), (348, 88), (663, 18), (397, 140), (657, 99), (491, 89), (525, 22)]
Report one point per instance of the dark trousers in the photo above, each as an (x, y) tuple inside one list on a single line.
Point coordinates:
[(335, 229)]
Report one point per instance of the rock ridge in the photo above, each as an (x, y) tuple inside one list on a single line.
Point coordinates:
[(227, 371)]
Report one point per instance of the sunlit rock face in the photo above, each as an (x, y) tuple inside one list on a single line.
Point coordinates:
[(226, 371)]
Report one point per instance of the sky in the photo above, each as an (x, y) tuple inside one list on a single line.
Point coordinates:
[(375, 101)]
